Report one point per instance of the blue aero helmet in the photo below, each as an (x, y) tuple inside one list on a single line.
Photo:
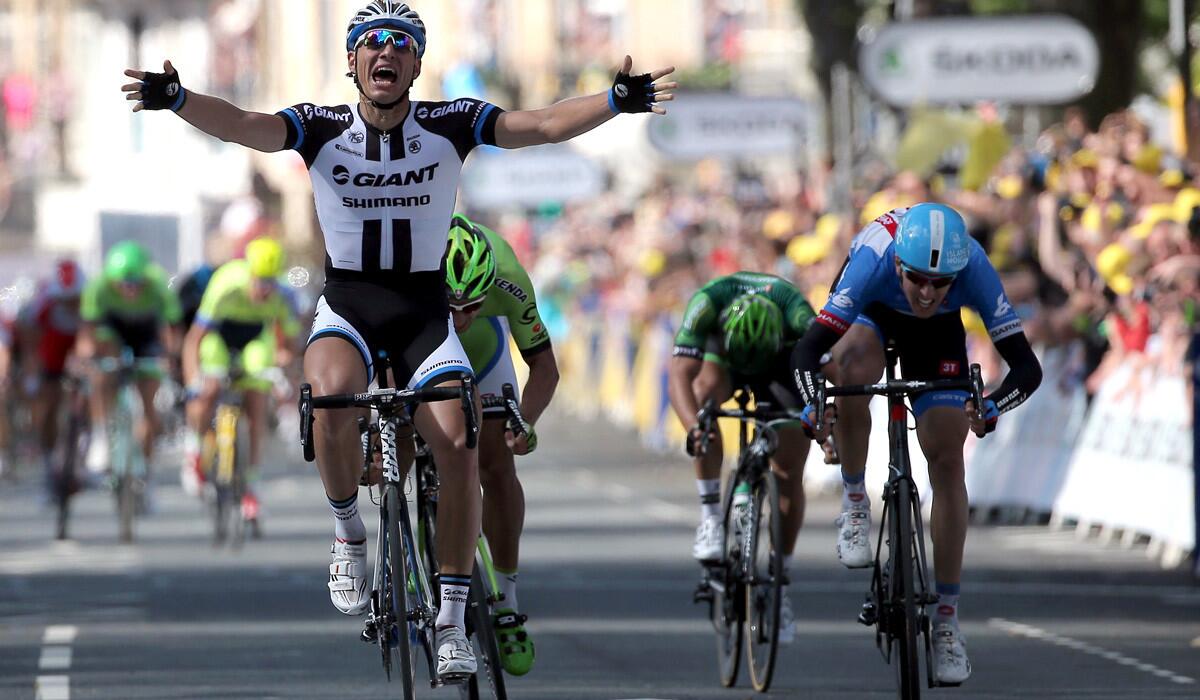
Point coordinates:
[(932, 239)]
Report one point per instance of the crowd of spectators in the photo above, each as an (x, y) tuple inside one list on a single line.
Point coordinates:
[(1096, 235)]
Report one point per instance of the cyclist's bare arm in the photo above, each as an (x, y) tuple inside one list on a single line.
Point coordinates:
[(191, 352), (569, 118), (681, 375), (539, 388), (216, 117)]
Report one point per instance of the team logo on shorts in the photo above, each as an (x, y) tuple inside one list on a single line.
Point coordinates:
[(948, 368)]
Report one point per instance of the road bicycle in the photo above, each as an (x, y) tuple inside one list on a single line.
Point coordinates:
[(69, 452), (484, 594), (403, 612), (128, 463), (900, 591), (744, 589), (225, 454)]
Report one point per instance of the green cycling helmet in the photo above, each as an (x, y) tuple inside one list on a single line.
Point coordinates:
[(470, 263), (126, 262), (753, 332)]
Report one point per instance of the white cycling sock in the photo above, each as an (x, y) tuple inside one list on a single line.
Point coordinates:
[(946, 609), (348, 525), (454, 600), (854, 492), (508, 587), (710, 497)]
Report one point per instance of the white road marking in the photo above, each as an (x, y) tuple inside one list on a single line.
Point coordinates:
[(52, 688), (60, 634), (1042, 635), (56, 658)]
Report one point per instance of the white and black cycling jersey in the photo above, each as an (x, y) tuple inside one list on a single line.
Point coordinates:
[(384, 198)]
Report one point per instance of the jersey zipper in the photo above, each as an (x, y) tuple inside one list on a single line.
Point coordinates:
[(386, 254)]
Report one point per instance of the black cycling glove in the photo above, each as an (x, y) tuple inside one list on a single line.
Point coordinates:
[(163, 91), (631, 93)]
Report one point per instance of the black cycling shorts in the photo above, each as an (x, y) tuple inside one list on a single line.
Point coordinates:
[(928, 348)]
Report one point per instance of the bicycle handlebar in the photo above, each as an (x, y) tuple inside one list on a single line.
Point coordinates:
[(707, 417), (512, 409), (901, 387), (387, 399)]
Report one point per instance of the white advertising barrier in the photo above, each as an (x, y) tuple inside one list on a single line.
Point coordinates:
[(495, 179), (1040, 59), (1024, 462), (730, 126), (1132, 467)]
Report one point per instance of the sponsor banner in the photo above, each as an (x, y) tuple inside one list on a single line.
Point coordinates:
[(730, 126), (1038, 59), (1132, 467), (495, 179)]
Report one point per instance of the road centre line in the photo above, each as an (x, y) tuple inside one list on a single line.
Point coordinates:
[(52, 688), (60, 634), (1032, 632), (55, 658)]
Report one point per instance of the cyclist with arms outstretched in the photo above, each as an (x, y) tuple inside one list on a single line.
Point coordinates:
[(491, 299), (908, 274), (385, 173), (738, 331)]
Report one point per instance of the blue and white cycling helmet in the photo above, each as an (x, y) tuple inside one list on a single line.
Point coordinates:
[(387, 13), (932, 239)]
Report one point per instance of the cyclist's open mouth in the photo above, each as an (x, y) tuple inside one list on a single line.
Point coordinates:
[(384, 76)]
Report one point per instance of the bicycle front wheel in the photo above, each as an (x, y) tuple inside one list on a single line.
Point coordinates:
[(726, 609), (488, 681), (904, 622), (764, 587), (393, 596)]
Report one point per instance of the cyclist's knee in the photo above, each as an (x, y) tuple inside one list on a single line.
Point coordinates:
[(858, 356)]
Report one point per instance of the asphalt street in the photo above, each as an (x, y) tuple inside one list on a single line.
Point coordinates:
[(606, 580)]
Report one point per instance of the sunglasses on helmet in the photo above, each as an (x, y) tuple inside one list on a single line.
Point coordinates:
[(376, 39), (937, 282)]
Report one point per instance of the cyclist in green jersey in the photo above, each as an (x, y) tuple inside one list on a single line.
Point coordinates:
[(243, 315), (128, 306), (491, 299), (737, 331)]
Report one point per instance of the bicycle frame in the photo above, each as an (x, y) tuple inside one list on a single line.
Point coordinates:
[(899, 616)]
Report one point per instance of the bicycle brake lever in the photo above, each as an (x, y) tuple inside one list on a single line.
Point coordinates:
[(306, 423)]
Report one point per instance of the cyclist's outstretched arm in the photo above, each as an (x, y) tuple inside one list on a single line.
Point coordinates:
[(212, 115), (577, 115)]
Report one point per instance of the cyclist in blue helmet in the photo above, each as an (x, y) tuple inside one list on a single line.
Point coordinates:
[(906, 278)]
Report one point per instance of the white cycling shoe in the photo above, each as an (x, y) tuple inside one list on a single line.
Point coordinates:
[(710, 539), (950, 663), (787, 620), (348, 577), (455, 657), (854, 538), (97, 454)]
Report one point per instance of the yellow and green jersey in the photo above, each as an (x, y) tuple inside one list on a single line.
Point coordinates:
[(227, 307), (155, 302)]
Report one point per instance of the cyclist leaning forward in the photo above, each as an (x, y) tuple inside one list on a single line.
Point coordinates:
[(385, 173), (128, 306), (491, 298), (243, 316), (907, 276), (738, 331)]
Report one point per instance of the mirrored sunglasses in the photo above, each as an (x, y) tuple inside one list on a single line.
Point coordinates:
[(375, 40), (467, 307)]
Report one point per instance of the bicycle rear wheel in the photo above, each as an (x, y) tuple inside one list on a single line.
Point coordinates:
[(764, 589), (393, 593), (904, 622), (726, 609), (124, 456)]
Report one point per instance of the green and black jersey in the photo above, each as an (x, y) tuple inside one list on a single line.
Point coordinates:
[(699, 335)]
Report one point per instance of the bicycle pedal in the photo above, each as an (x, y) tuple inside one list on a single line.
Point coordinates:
[(703, 593), (868, 616), (370, 633), (453, 679)]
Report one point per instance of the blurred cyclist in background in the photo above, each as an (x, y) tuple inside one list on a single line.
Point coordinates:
[(243, 317), (128, 306), (46, 331)]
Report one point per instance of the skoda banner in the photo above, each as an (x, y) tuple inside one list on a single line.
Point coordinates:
[(730, 126), (495, 178), (1037, 59)]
